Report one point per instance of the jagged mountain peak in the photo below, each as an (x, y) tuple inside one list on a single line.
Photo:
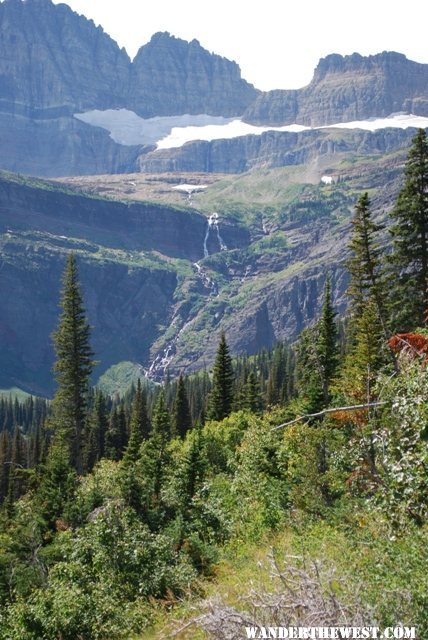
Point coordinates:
[(173, 76), (179, 45)]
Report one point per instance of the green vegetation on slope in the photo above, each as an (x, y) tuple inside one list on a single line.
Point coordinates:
[(120, 511)]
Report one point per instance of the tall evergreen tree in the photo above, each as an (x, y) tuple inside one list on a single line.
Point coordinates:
[(58, 482), (368, 322), (4, 464), (253, 398), (96, 430), (114, 441), (317, 356), (139, 424), (73, 366), (36, 450), (327, 349), (161, 420), (155, 458), (409, 259), (181, 420), (364, 264), (17, 466), (220, 401)]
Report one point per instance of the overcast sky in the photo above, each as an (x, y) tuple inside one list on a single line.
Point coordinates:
[(277, 43)]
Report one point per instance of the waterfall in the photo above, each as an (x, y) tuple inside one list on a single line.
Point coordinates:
[(213, 221)]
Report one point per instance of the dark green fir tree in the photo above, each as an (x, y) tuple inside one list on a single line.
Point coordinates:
[(139, 427), (221, 396), (327, 348), (364, 265), (409, 259), (73, 367), (181, 419), (96, 430), (5, 463)]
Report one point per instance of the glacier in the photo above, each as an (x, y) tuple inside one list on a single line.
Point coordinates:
[(169, 132)]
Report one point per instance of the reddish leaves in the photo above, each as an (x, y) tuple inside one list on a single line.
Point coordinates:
[(410, 344)]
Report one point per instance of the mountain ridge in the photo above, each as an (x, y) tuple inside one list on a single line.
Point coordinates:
[(347, 88), (55, 63)]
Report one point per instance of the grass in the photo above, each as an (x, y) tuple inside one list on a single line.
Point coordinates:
[(119, 378), (386, 575)]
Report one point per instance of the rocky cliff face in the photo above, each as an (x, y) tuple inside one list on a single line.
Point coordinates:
[(136, 268), (161, 282), (347, 88), (273, 149), (171, 76), (54, 63)]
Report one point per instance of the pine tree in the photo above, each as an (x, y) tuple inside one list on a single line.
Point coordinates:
[(113, 441), (17, 466), (368, 323), (161, 436), (365, 357), (139, 425), (409, 259), (253, 399), (56, 491), (4, 464), (365, 265), (161, 420), (317, 357), (181, 420), (327, 349), (73, 366), (97, 426), (36, 446), (191, 470), (220, 401)]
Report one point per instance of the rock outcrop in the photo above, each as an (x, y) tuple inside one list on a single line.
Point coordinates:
[(133, 259), (55, 63), (347, 88), (272, 149), (170, 76)]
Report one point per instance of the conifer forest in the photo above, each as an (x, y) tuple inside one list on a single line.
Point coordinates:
[(298, 474)]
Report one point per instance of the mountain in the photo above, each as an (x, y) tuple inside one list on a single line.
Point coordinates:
[(170, 76), (347, 88), (161, 280), (162, 270), (63, 81), (136, 262), (55, 63), (274, 149)]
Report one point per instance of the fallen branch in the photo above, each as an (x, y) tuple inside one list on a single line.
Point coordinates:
[(355, 407)]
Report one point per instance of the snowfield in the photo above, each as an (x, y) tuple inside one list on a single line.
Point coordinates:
[(127, 128)]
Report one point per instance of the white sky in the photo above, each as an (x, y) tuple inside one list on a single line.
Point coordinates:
[(277, 43)]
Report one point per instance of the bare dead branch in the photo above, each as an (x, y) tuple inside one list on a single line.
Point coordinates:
[(355, 407)]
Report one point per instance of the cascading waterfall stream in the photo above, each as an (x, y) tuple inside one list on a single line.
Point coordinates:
[(163, 359), (213, 221)]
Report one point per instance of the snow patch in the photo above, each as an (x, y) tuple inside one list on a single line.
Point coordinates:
[(127, 128), (190, 188), (169, 132), (327, 179), (395, 120), (234, 129)]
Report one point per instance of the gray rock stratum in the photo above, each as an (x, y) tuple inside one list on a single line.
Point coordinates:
[(55, 64), (347, 88)]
